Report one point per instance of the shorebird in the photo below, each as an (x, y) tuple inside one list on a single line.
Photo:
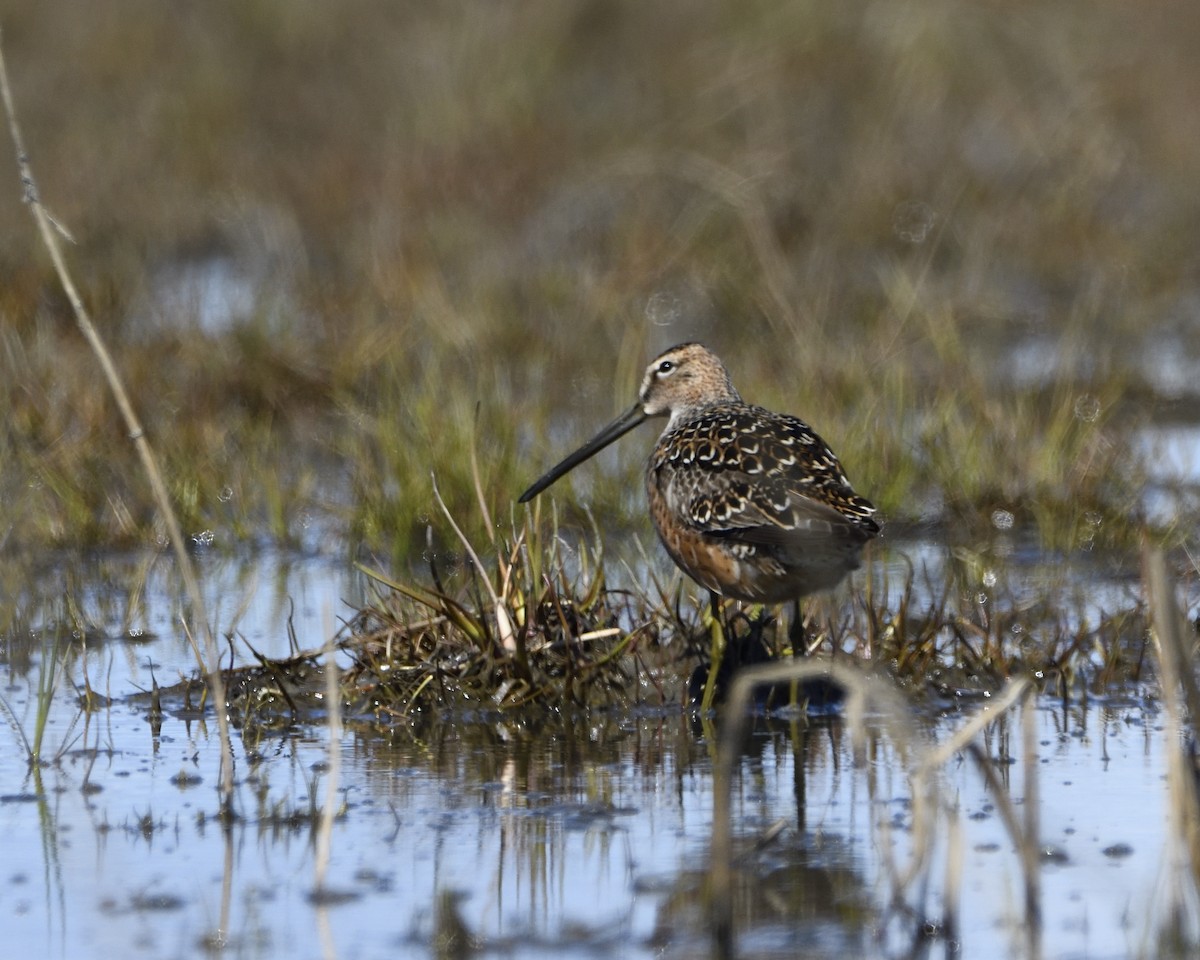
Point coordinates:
[(750, 504)]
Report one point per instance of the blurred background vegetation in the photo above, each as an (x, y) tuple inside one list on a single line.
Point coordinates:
[(335, 245)]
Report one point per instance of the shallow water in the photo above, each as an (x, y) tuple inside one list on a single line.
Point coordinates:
[(542, 835)]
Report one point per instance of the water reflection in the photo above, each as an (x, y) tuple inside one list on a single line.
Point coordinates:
[(545, 834), (567, 836)]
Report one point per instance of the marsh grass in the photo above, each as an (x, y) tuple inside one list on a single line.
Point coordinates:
[(872, 217), (947, 634)]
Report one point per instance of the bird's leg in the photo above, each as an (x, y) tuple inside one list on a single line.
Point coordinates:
[(797, 637), (798, 641), (716, 653), (764, 617)]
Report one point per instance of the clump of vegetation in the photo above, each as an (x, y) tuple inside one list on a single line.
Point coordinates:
[(539, 627), (499, 641)]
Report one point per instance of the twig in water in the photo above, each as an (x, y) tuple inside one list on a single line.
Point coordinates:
[(1179, 696), (333, 704)]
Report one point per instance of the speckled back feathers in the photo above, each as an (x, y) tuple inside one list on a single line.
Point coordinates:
[(730, 462), (750, 503)]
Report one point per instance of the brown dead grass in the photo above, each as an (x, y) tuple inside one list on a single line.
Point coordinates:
[(864, 208)]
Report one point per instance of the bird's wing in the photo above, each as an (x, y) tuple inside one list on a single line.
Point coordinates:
[(771, 514), (765, 479)]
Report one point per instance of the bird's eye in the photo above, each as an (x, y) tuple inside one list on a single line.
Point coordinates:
[(666, 368)]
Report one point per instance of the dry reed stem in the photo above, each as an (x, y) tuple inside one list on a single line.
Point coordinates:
[(995, 707), (333, 699), (1174, 654), (955, 854), (1178, 684), (1025, 835), (504, 625), (477, 480), (325, 933), (220, 938), (49, 230), (1031, 846)]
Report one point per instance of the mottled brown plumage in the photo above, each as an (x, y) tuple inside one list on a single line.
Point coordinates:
[(750, 504)]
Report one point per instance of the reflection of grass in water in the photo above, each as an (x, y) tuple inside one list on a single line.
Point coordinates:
[(928, 805), (861, 212), (53, 664), (537, 844)]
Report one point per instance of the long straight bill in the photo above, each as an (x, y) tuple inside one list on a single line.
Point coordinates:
[(618, 428)]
